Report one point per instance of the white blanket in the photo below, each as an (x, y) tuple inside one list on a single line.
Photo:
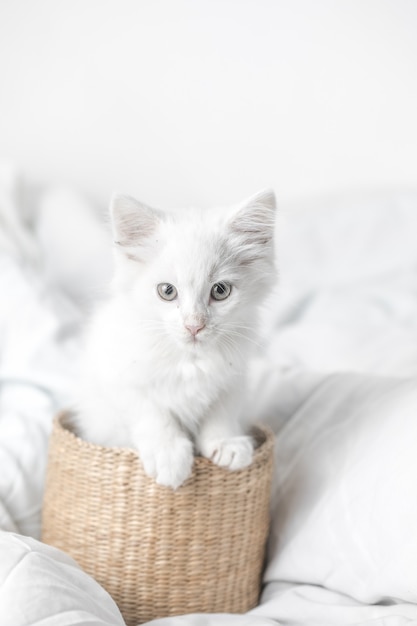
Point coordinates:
[(339, 389)]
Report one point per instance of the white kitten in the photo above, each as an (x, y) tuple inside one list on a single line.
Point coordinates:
[(167, 354)]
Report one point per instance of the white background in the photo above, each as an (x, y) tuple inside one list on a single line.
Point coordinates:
[(183, 102)]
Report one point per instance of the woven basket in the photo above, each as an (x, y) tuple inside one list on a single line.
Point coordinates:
[(159, 552)]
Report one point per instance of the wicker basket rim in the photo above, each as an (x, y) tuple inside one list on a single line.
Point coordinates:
[(262, 434)]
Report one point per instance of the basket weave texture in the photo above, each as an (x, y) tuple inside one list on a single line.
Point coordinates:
[(159, 552)]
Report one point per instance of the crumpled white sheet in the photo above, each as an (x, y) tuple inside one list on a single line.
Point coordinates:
[(348, 286), (342, 549)]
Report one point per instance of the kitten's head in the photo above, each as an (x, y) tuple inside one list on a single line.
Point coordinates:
[(195, 277)]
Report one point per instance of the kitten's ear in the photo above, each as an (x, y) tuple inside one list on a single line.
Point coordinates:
[(132, 221), (254, 223)]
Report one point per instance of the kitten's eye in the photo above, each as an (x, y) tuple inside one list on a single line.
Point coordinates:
[(221, 291), (167, 291)]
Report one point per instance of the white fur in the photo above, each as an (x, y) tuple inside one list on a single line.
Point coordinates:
[(150, 384)]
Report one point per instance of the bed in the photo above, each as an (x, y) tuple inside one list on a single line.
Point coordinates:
[(337, 383)]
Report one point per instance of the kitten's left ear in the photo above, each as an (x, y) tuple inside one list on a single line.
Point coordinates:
[(254, 223), (133, 222)]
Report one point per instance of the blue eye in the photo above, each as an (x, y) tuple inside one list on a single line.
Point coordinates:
[(220, 291), (166, 291)]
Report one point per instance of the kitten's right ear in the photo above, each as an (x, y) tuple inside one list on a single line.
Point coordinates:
[(253, 225), (132, 221)]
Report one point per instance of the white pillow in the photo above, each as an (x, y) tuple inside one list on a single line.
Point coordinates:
[(345, 505), (42, 585)]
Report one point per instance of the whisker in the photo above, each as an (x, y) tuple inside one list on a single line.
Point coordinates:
[(241, 326), (233, 347), (233, 334)]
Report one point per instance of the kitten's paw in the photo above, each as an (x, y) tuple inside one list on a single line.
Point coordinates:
[(234, 453), (169, 463)]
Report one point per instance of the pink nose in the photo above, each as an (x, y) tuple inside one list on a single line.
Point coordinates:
[(194, 329)]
